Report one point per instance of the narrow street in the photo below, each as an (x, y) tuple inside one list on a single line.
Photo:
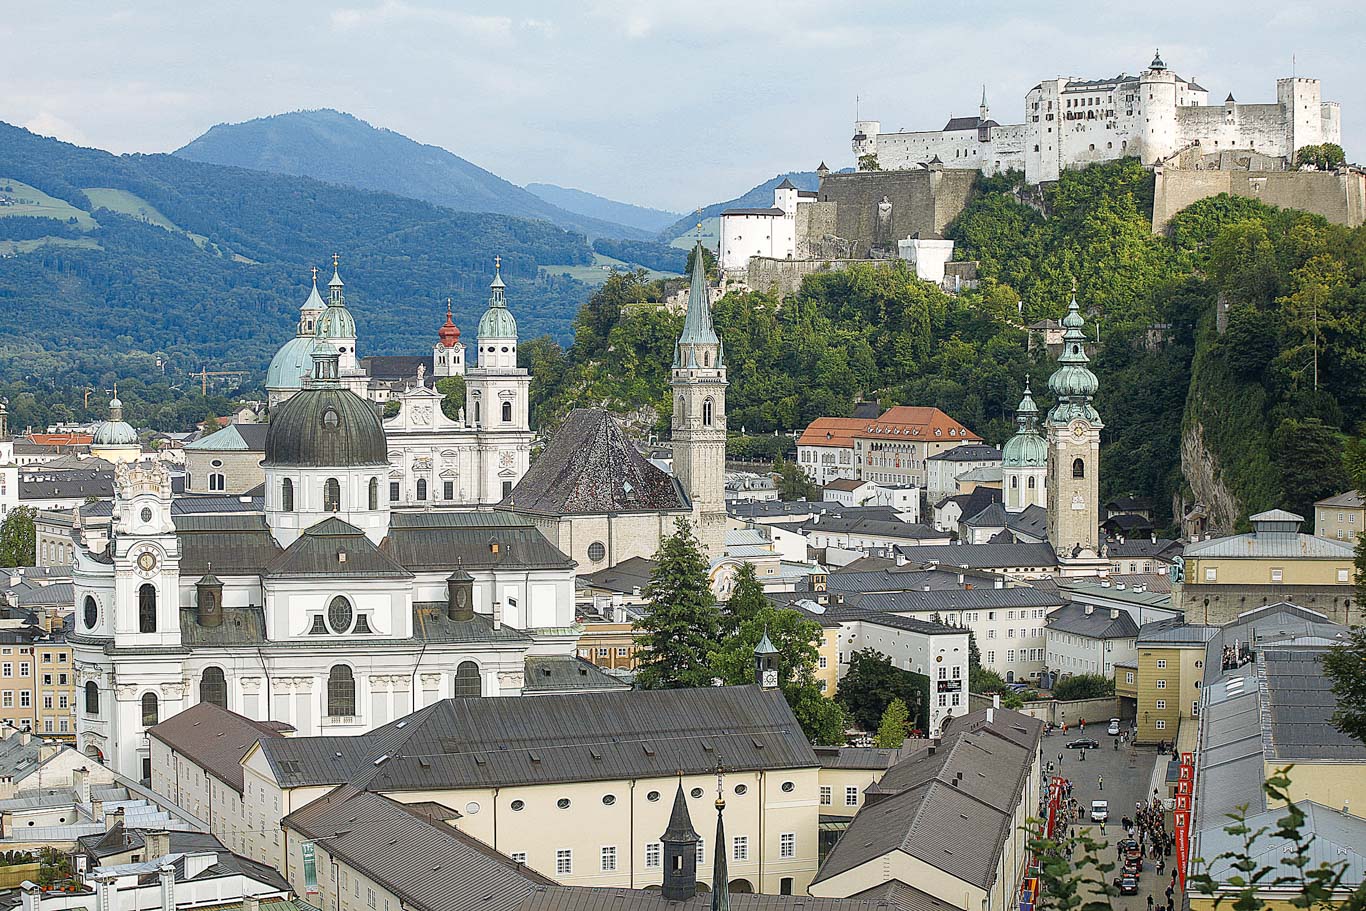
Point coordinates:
[(1121, 777)]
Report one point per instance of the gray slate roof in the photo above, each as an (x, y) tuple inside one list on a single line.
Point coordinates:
[(232, 544), (1098, 624), (215, 738), (60, 485), (591, 468), (233, 438), (552, 738), (441, 541), (579, 898), (1175, 631), (1301, 704), (429, 865), (1274, 544), (982, 556), (625, 577), (1337, 839), (959, 599), (968, 452), (333, 548), (561, 673), (879, 528)]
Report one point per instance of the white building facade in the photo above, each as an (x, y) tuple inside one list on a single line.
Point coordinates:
[(770, 232)]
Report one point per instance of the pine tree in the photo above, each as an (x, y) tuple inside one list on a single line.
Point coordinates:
[(682, 622), (892, 729), (746, 601)]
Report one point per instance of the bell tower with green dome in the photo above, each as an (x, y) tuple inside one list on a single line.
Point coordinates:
[(497, 399), (1024, 460), (1073, 428), (699, 416)]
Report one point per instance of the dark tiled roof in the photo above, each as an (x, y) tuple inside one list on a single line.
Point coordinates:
[(580, 898), (967, 123), (442, 541), (865, 757), (431, 624), (214, 738), (65, 485), (905, 898), (591, 468), (234, 545), (982, 556), (1161, 549), (566, 673), (971, 504), (1127, 522), (240, 626), (881, 528), (395, 366), (553, 738), (430, 866), (993, 516), (1301, 704), (1031, 521), (335, 548), (1098, 624), (958, 599), (968, 452), (625, 577)]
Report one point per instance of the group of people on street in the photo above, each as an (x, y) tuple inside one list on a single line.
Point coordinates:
[(1149, 828)]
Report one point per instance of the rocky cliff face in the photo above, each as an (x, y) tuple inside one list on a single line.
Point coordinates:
[(1201, 470)]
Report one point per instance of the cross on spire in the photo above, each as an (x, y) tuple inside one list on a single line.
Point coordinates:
[(497, 263), (698, 213), (336, 260), (315, 275)]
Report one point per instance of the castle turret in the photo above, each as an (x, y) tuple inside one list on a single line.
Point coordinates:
[(699, 385), (1157, 131)]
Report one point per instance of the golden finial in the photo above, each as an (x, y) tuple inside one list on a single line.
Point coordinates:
[(720, 784), (497, 263), (698, 213), (336, 260)]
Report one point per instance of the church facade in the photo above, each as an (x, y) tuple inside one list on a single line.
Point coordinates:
[(330, 610)]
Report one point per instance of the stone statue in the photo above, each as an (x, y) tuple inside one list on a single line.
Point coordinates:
[(421, 372), (461, 415), (882, 230)]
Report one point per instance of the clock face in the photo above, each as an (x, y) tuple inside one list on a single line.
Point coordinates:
[(1079, 430), (147, 562)]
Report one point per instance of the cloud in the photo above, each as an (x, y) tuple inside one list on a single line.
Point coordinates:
[(395, 11), (47, 123)]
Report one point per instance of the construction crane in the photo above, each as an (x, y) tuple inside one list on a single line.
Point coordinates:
[(204, 373)]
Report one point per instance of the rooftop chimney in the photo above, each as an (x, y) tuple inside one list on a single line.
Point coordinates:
[(1114, 613), (1089, 609), (158, 843), (995, 702), (251, 903), (497, 614), (991, 711)]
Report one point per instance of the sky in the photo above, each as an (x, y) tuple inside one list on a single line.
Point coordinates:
[(657, 102)]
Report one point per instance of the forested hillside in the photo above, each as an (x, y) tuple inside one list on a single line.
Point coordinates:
[(595, 206), (876, 332), (336, 147), (207, 265)]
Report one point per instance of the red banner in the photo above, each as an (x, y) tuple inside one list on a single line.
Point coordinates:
[(1185, 790)]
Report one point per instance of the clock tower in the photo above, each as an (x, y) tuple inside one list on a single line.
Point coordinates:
[(146, 558), (1074, 456)]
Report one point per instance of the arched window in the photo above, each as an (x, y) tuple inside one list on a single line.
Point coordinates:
[(92, 698), (217, 481), (706, 412), (1031, 483), (1078, 468), (213, 687), (467, 680), (681, 409), (149, 709), (332, 495), (374, 494), (341, 692), (1014, 481), (287, 495), (507, 412), (476, 411), (422, 488), (147, 608)]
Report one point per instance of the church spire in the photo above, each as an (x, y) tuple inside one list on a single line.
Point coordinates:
[(697, 326), (680, 851), (982, 110), (720, 873), (1073, 382), (334, 287)]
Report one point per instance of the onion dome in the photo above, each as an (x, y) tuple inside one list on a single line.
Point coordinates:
[(449, 333), (1027, 448), (1073, 383), (115, 431), (324, 425), (335, 321), (497, 321)]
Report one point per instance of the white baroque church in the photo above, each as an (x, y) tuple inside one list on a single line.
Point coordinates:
[(473, 459), (330, 610)]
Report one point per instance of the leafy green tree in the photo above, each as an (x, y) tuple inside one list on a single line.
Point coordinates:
[(872, 682), (894, 726), (1345, 665), (1084, 686), (18, 539), (1326, 157), (1309, 463), (681, 622), (793, 483), (391, 409), (746, 603), (869, 162), (452, 389)]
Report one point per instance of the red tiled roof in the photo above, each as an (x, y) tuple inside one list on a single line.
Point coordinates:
[(916, 421), (61, 439), (839, 432)]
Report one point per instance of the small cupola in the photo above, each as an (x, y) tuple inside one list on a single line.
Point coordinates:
[(460, 595), (209, 599)]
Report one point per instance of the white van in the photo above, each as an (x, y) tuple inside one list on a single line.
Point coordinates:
[(1113, 730), (1100, 811)]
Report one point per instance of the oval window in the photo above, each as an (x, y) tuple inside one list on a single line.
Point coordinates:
[(92, 612), (788, 787), (741, 789), (562, 803), (695, 793), (471, 808), (517, 806), (330, 420), (653, 796), (609, 799), (339, 614), (146, 514)]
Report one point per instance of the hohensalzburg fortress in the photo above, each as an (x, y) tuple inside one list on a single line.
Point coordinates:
[(1070, 123)]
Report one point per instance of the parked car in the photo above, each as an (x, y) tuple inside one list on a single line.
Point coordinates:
[(1100, 811), (1127, 884), (1113, 729), (1083, 743)]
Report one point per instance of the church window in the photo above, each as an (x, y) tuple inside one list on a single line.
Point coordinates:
[(1078, 468), (319, 627), (422, 488), (149, 709), (147, 608), (1031, 483), (332, 495), (363, 626), (92, 698), (476, 411), (1014, 482), (507, 412), (213, 687), (287, 495), (596, 551), (448, 490), (217, 481), (340, 614), (507, 489), (467, 680), (393, 491), (707, 412), (341, 692), (92, 612), (374, 494)]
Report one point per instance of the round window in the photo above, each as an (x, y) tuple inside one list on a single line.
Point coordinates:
[(696, 793), (596, 551), (339, 614), (562, 803), (609, 799), (518, 806), (788, 787), (653, 796), (742, 789), (471, 808), (91, 612), (146, 514), (217, 463)]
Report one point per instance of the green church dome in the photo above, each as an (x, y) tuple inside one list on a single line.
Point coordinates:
[(336, 322), (325, 426), (115, 431), (291, 364), (1025, 450), (497, 321)]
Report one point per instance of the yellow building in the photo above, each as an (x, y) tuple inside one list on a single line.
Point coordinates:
[(1341, 518), (1225, 577), (37, 688), (1171, 660)]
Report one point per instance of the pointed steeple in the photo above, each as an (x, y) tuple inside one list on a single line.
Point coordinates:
[(697, 325), (982, 110), (448, 335), (334, 287), (766, 663), (720, 872), (680, 851)]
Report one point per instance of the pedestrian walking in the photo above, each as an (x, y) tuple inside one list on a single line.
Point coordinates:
[(1161, 866), (1100, 782), (1169, 894), (1150, 903), (1116, 743), (1059, 760)]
